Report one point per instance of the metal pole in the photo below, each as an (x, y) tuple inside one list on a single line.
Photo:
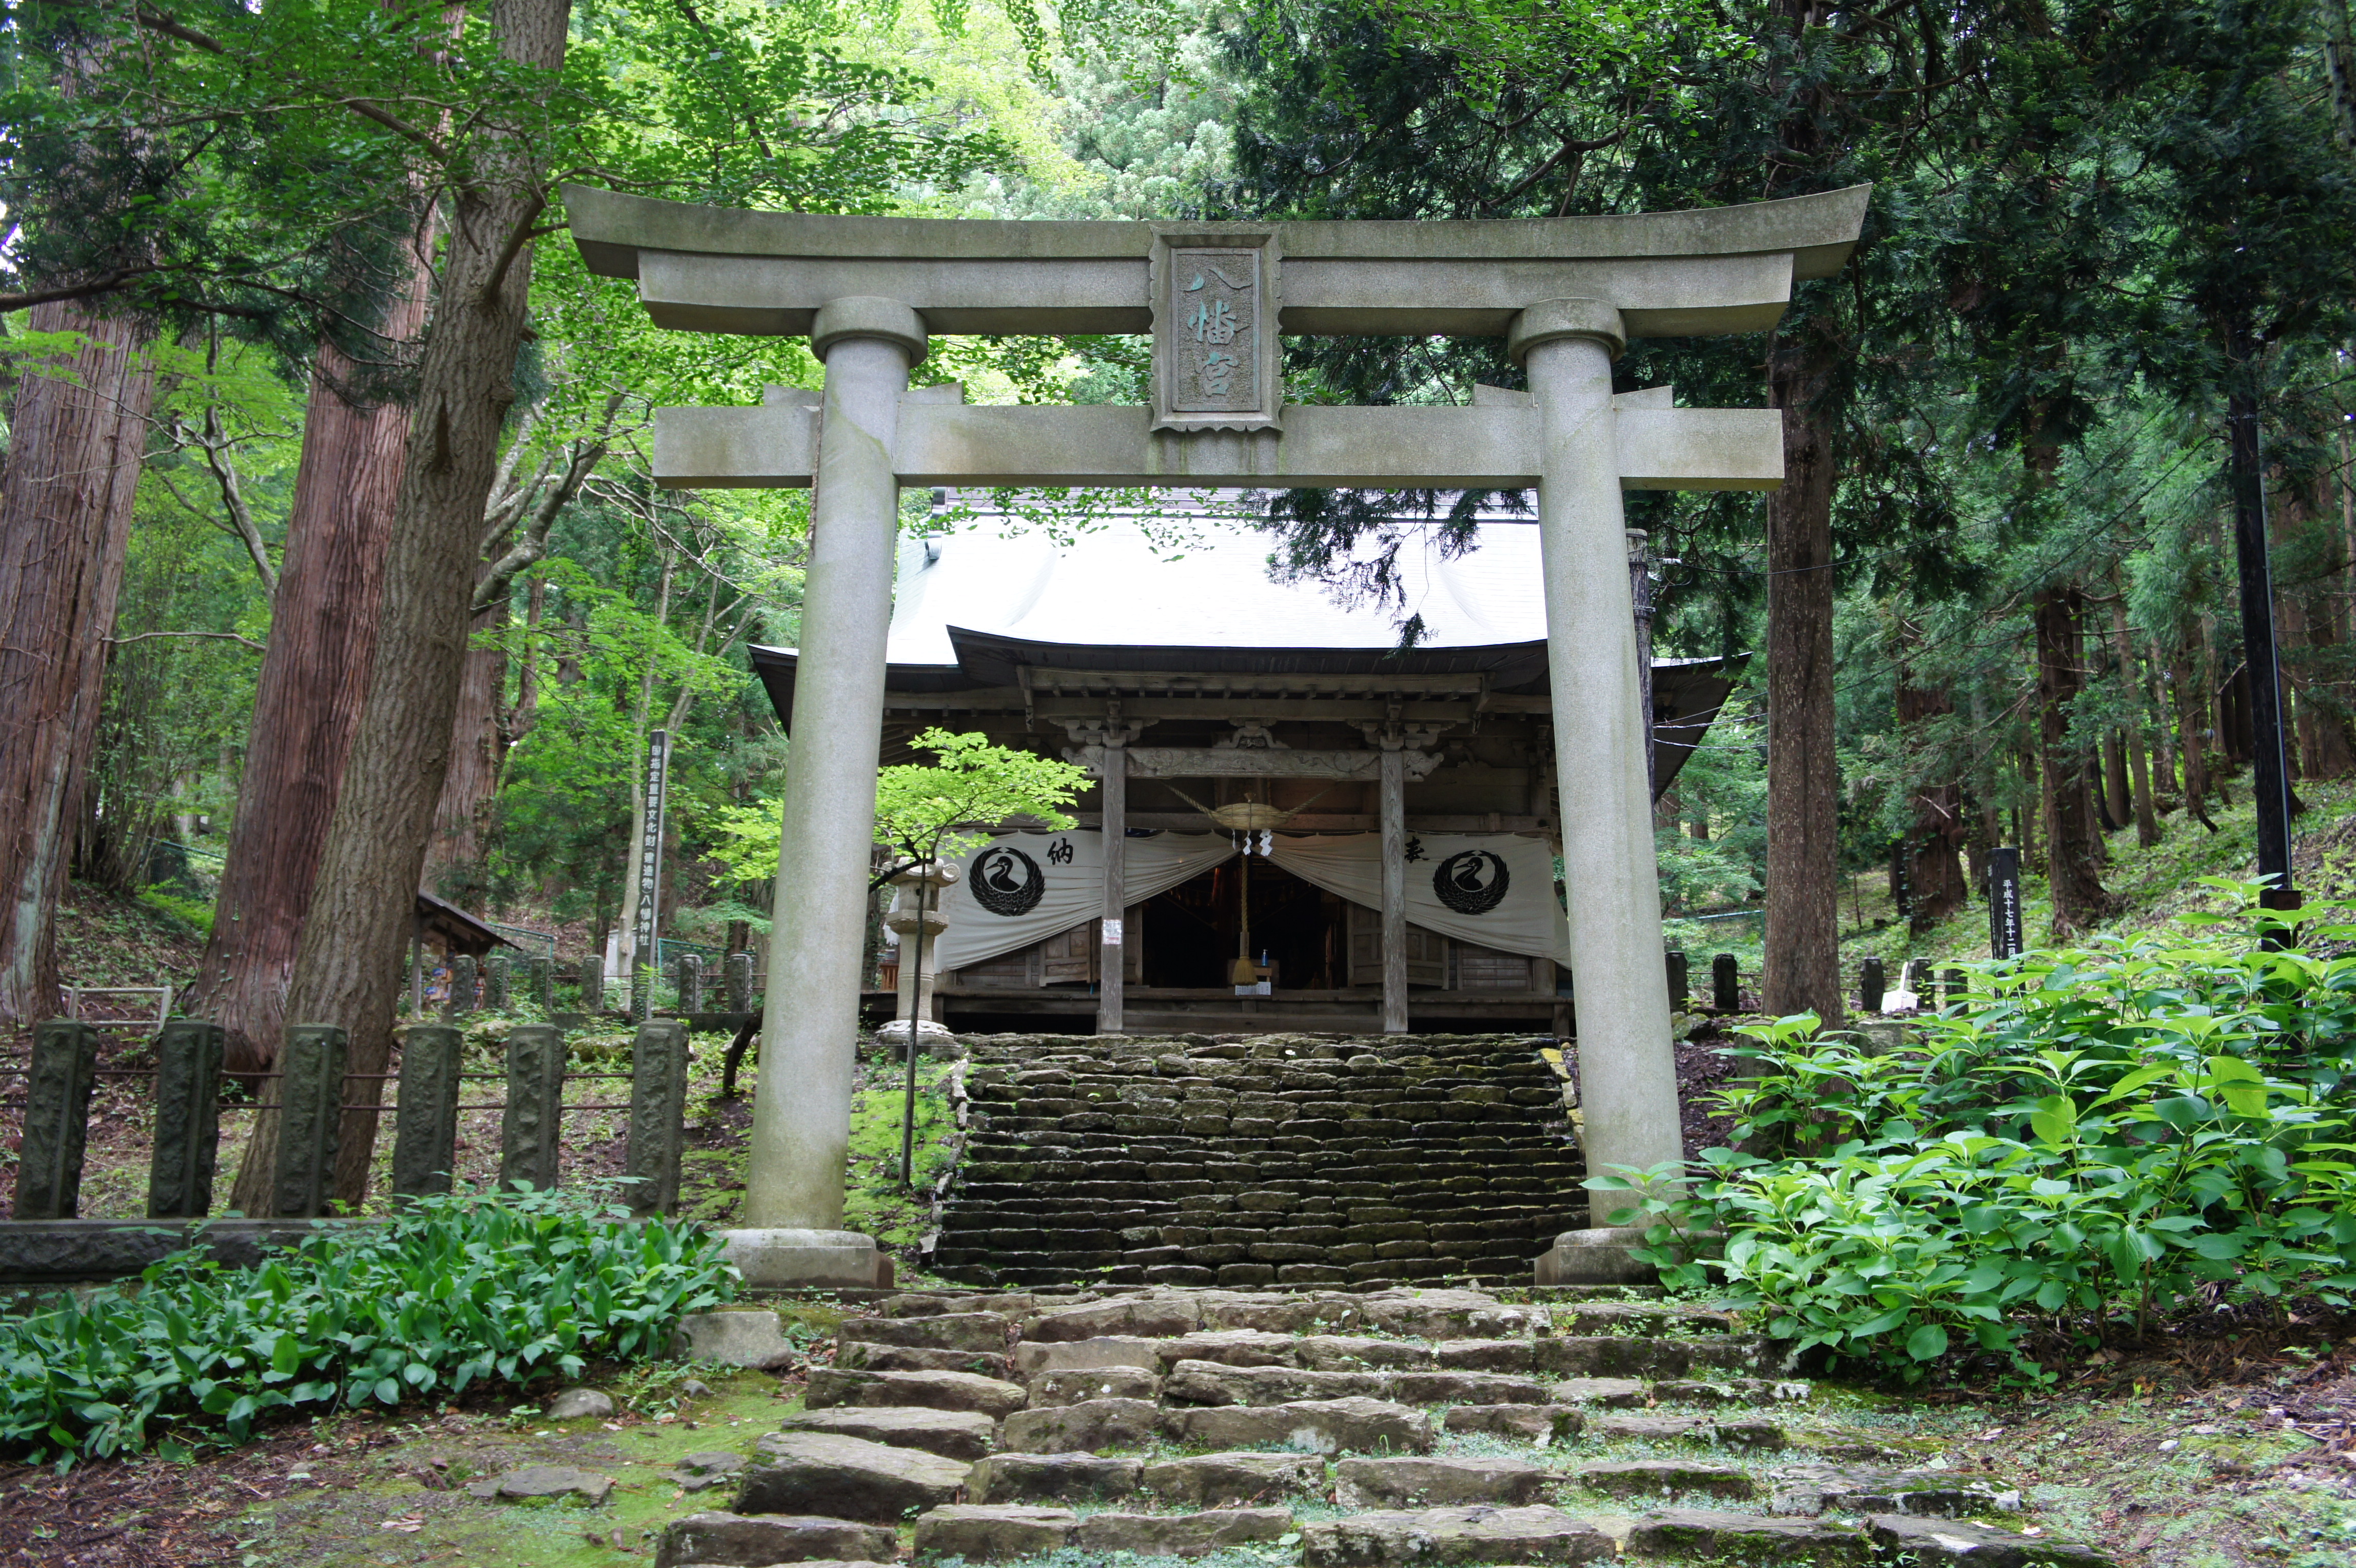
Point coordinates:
[(915, 994)]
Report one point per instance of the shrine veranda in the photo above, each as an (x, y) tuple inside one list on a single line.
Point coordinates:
[(1567, 295)]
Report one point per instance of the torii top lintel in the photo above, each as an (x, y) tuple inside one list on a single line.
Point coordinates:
[(1706, 271)]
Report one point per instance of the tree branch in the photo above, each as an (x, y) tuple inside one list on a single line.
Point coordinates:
[(224, 635), (532, 544), (215, 444)]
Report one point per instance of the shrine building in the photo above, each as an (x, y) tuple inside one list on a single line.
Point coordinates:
[(1289, 778)]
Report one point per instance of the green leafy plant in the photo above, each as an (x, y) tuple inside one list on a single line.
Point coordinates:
[(2093, 1135), (452, 1292)]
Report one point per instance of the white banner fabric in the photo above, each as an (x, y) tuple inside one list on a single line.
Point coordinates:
[(1492, 889), (1020, 888)]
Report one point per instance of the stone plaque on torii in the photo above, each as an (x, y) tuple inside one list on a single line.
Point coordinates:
[(1566, 294)]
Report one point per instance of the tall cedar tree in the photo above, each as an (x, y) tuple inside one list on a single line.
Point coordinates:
[(315, 673), (1346, 119)]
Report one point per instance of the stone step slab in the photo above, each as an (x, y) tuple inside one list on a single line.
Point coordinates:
[(1051, 1477), (830, 1386), (860, 1356), (1395, 1538), (1211, 1480), (819, 1473), (1604, 1394), (1485, 1354), (1089, 1425), (1462, 1388), (1819, 1489), (1073, 1384), (985, 1532), (1611, 1356), (1348, 1352), (1711, 1536), (1032, 1358), (1735, 1392), (734, 1540), (1212, 1383), (924, 1303), (1668, 1478), (1151, 1317), (1233, 1348), (1909, 1542), (1181, 1535), (1541, 1423), (943, 1331), (1318, 1426), (1430, 1483), (1759, 1436), (952, 1433)]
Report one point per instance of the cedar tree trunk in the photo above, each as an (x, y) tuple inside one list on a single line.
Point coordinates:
[(1802, 968), (1934, 870), (77, 435), (348, 967), (2080, 901), (323, 628)]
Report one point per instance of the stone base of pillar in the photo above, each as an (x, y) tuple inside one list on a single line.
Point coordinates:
[(931, 1038), (1594, 1258), (783, 1260)]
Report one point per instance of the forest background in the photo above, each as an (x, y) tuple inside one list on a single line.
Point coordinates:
[(334, 566)]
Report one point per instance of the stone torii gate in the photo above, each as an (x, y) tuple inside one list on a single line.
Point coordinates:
[(1566, 294)]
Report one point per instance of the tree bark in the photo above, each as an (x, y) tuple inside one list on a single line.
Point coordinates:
[(2147, 819), (1802, 967), (2080, 900), (2118, 795), (348, 967), (315, 675), (77, 435), (1935, 869)]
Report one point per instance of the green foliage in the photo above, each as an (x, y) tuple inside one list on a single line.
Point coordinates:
[(2093, 1133), (918, 809), (451, 1292), (197, 913)]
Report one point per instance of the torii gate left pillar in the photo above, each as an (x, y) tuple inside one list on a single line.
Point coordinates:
[(1566, 294)]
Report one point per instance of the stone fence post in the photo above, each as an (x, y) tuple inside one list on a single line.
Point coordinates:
[(592, 983), (740, 982), (187, 1119), (462, 986), (657, 1115), (64, 1069), (1680, 982), (1726, 983), (310, 1120), (690, 983), (530, 1132), (541, 978), (494, 982), (425, 1134), (1871, 982)]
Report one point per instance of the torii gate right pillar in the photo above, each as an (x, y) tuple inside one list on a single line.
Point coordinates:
[(1627, 1061)]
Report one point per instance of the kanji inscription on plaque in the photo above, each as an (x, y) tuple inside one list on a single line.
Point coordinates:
[(1214, 331)]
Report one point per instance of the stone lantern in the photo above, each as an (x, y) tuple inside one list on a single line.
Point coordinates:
[(917, 933)]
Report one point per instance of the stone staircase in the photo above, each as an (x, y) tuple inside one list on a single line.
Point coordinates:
[(1328, 1430), (1241, 1161)]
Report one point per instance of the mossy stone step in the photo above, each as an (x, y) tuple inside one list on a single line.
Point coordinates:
[(951, 1433), (1477, 1534)]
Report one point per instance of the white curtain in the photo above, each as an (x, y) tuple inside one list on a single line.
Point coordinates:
[(1037, 885), (1452, 885)]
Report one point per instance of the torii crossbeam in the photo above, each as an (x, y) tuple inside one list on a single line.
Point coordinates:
[(1566, 294)]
